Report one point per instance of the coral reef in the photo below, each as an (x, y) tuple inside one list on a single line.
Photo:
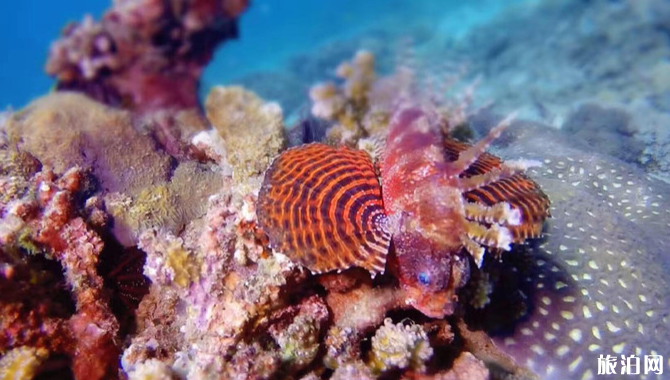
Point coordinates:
[(46, 220), (145, 55), (225, 304), (322, 207), (220, 303), (252, 130), (159, 209), (597, 283)]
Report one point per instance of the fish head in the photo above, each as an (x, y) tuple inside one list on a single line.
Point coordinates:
[(429, 278)]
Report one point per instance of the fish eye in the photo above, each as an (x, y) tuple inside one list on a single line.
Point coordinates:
[(424, 278)]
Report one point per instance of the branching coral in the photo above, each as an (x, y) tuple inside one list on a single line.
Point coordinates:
[(400, 346), (298, 337), (144, 54), (94, 327), (362, 105), (349, 104)]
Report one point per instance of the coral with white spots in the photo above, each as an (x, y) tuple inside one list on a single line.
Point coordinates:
[(597, 284)]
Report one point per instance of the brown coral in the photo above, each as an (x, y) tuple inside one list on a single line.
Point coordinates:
[(141, 186), (65, 129)]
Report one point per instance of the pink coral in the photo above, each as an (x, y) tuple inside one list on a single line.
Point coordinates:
[(144, 54), (94, 327), (54, 226)]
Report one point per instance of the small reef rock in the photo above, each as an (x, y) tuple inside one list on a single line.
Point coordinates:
[(144, 54)]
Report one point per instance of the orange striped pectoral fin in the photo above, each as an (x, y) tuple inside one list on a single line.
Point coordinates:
[(519, 191), (322, 207)]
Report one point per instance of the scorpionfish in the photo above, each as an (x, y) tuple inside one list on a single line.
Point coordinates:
[(438, 205)]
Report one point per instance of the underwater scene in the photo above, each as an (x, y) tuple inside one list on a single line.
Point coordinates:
[(301, 189)]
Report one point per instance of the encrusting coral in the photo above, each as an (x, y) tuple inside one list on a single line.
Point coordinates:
[(142, 186), (65, 129), (144, 55)]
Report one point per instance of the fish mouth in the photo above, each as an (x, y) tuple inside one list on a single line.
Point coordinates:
[(432, 304)]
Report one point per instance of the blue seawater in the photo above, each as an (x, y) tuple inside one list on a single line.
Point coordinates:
[(27, 28)]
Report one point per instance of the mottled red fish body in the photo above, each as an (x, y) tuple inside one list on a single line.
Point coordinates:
[(425, 210)]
